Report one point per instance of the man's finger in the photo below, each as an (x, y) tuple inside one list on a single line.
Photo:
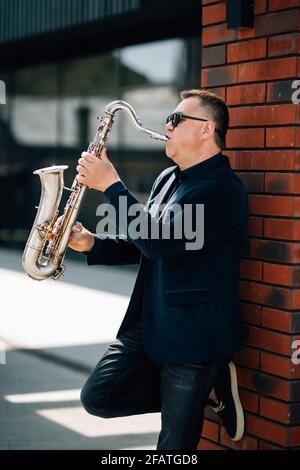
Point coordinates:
[(81, 170), (104, 154), (89, 157), (83, 162), (77, 227), (81, 179)]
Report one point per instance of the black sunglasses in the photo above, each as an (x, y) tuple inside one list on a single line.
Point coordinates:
[(175, 119)]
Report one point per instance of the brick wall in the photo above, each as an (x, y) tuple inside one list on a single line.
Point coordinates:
[(252, 69)]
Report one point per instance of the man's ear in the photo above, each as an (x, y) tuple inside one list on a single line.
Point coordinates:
[(208, 129)]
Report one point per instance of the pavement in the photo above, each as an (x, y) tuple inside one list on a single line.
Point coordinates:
[(52, 333)]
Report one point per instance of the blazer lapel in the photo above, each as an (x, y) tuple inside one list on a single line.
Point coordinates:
[(154, 204), (173, 199)]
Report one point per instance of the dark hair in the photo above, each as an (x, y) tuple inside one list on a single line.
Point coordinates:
[(218, 108)]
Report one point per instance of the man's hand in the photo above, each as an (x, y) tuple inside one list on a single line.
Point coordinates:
[(81, 239), (96, 173)]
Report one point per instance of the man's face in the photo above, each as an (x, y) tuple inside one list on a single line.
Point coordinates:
[(188, 136)]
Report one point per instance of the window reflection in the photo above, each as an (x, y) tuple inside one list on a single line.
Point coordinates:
[(158, 61)]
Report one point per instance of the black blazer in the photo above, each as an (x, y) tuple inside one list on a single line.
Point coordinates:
[(194, 309)]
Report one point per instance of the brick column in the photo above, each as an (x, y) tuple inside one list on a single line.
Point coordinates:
[(253, 70)]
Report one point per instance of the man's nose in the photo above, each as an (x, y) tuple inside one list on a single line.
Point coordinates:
[(169, 127)]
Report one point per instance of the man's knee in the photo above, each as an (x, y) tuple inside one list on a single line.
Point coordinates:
[(94, 406)]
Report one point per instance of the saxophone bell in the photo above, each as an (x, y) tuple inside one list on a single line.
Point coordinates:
[(35, 261)]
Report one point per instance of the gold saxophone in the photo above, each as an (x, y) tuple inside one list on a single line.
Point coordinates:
[(43, 257)]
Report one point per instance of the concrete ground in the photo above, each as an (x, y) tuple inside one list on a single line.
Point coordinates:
[(51, 335)]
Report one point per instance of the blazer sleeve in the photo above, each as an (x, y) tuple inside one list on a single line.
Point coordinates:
[(115, 249), (112, 250), (218, 217)]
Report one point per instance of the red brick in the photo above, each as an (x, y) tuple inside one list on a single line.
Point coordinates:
[(245, 33), (251, 313), (268, 446), (215, 55), (245, 138), (247, 50), (294, 437), (271, 205), (247, 443), (220, 91), (255, 226), (246, 378), (284, 44), (218, 34), (207, 2), (214, 14), (278, 251), (204, 444), (296, 207), (277, 319), (282, 4), (264, 160), (253, 181), (249, 400), (282, 183), (284, 229), (248, 357), (251, 270), (260, 6), (269, 340), (281, 137), (210, 430), (272, 69), (246, 94), (215, 76), (297, 297), (291, 253), (278, 365), (274, 409), (266, 295), (276, 23), (281, 275), (265, 429), (264, 384), (263, 115)]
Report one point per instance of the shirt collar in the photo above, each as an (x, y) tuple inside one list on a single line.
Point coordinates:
[(207, 166)]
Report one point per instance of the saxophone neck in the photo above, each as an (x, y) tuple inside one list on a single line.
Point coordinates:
[(115, 106)]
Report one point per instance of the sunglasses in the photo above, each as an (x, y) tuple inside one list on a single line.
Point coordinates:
[(175, 119)]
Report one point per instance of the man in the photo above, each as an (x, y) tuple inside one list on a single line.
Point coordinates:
[(181, 328)]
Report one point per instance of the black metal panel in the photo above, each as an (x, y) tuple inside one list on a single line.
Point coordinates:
[(26, 18), (77, 28), (240, 14)]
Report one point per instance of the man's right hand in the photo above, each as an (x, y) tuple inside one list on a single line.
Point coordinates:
[(80, 240)]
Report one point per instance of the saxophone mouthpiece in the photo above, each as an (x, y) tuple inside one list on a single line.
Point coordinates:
[(157, 136)]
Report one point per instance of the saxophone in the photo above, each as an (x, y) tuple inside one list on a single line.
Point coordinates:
[(43, 257)]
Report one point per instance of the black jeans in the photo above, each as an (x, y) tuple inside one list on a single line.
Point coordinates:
[(127, 382)]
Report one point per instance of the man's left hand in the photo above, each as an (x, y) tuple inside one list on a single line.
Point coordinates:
[(96, 173)]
